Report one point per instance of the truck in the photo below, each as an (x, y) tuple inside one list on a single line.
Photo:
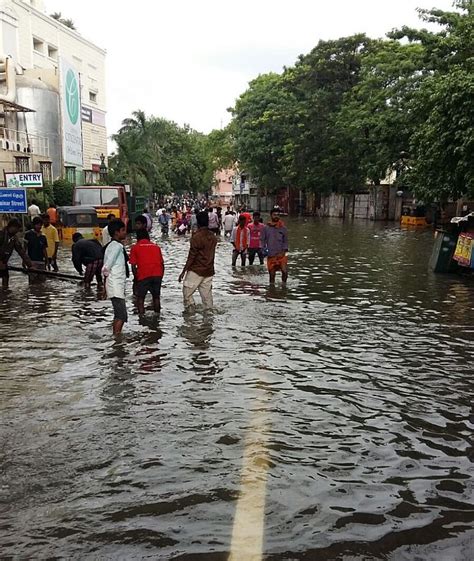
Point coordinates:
[(116, 199)]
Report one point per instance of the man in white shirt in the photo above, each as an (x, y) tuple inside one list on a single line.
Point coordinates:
[(229, 222), (105, 231), (33, 209), (115, 271)]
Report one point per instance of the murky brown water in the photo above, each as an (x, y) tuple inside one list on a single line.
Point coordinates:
[(362, 370)]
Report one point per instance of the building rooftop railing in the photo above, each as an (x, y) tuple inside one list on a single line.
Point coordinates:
[(24, 142)]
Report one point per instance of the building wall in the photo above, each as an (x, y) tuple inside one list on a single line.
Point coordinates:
[(41, 41), (223, 184)]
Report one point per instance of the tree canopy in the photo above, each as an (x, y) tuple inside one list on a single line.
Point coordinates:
[(156, 155), (345, 114)]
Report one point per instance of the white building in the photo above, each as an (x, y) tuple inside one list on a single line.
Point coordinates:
[(43, 124)]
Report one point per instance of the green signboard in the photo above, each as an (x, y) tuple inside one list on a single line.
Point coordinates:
[(33, 180)]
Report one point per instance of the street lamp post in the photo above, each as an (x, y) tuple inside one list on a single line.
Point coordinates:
[(103, 171)]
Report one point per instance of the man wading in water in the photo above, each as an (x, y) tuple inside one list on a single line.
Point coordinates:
[(199, 268), (275, 240), (8, 243)]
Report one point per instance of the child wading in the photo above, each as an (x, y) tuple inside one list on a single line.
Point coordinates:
[(116, 271), (148, 269)]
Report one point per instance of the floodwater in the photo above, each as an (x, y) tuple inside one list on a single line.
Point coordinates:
[(329, 420)]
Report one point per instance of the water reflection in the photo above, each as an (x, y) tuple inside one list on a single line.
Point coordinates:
[(197, 329)]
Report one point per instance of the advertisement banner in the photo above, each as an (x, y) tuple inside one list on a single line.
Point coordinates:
[(71, 114)]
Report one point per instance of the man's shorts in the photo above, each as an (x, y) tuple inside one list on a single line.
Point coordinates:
[(150, 284), (120, 309), (277, 263)]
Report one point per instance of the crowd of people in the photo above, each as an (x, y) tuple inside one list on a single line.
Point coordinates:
[(109, 263)]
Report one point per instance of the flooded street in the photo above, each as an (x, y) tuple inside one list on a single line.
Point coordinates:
[(329, 420)]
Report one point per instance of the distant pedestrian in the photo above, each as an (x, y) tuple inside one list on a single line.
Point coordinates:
[(115, 272), (105, 236), (182, 225), (34, 209), (275, 241), (193, 221), (240, 240), (52, 212), (213, 221), (8, 243), (36, 247), (255, 246), (199, 269), (88, 254), (148, 269), (164, 221), (229, 223), (53, 242), (149, 220)]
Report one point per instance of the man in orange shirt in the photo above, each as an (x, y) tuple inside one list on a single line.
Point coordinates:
[(53, 214)]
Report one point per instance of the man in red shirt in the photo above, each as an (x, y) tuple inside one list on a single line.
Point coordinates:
[(255, 247), (148, 269)]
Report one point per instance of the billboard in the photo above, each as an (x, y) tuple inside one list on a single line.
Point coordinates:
[(71, 114)]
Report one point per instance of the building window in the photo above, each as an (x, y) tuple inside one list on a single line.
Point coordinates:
[(71, 174), (22, 164), (93, 97), (38, 45), (52, 52), (88, 177), (46, 170)]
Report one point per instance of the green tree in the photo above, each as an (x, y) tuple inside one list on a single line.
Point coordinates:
[(261, 117), (442, 146), (319, 155), (62, 192), (156, 155), (376, 119)]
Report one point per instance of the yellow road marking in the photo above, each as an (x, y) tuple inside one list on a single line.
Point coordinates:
[(249, 522)]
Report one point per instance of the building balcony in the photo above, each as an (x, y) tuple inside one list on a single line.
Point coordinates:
[(26, 143)]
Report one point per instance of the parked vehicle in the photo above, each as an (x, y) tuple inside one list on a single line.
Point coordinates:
[(111, 199), (82, 219), (106, 199)]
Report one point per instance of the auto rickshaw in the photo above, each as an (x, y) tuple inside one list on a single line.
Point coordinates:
[(80, 219)]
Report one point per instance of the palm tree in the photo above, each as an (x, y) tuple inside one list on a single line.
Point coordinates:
[(137, 123)]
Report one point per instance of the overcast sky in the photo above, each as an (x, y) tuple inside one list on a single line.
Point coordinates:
[(188, 60)]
